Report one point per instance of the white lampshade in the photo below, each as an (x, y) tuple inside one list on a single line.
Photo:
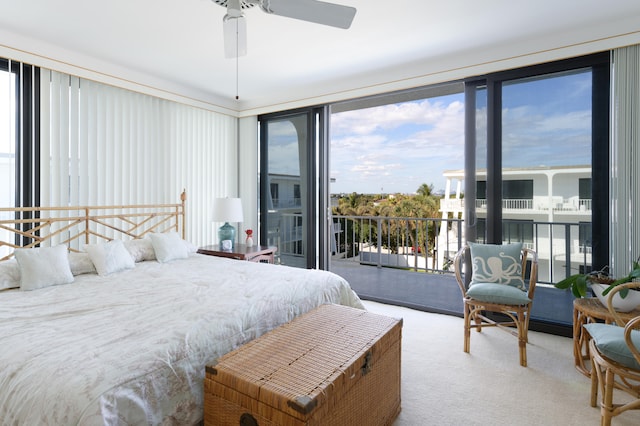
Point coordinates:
[(227, 210)]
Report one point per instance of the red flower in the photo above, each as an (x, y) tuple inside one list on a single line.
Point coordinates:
[(249, 232)]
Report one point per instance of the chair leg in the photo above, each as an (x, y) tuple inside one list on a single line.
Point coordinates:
[(595, 373), (522, 339), (526, 326), (523, 352), (606, 408), (467, 327)]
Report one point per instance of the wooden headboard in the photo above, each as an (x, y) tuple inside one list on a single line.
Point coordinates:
[(77, 226)]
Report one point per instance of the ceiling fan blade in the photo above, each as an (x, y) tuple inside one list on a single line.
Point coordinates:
[(319, 12), (235, 36)]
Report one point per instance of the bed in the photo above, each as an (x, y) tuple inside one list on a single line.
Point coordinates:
[(129, 346)]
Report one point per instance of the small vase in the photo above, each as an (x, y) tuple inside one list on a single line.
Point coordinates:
[(249, 242)]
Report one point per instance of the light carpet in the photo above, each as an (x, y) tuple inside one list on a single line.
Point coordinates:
[(442, 385)]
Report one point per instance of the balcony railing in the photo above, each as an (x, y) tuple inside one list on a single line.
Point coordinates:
[(285, 203), (419, 244), (510, 203), (537, 203), (422, 245)]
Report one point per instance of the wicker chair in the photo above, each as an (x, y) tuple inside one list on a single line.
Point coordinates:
[(494, 296), (615, 358)]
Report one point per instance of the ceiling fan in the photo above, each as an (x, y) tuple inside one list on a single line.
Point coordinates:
[(319, 12)]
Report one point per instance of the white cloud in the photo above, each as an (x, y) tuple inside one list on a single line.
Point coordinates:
[(396, 147)]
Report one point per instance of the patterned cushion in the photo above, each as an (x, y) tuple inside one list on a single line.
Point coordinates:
[(609, 340), (497, 264), (498, 293)]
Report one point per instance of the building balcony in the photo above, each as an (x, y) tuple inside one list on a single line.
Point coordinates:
[(535, 204)]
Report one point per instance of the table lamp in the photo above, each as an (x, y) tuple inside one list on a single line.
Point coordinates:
[(227, 210)]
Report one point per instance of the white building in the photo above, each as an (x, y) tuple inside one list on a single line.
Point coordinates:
[(547, 208)]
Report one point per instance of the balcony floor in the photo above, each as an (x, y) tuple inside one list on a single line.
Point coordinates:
[(431, 292), (439, 293), (418, 290)]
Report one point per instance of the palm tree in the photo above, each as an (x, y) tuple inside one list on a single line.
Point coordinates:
[(403, 232)]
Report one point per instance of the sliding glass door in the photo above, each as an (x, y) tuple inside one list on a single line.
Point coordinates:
[(546, 155), (536, 167), (291, 195)]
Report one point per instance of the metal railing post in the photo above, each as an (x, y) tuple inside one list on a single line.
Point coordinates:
[(567, 249), (379, 245)]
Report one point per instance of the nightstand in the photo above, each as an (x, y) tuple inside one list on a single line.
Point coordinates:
[(261, 254)]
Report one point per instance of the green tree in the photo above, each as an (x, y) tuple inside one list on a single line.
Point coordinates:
[(405, 231)]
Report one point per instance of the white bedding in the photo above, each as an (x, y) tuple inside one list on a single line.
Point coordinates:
[(130, 348)]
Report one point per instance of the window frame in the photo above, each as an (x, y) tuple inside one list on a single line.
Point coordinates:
[(27, 131)]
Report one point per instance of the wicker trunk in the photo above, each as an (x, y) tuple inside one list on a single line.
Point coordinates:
[(332, 366)]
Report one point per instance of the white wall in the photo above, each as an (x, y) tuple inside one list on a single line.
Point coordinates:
[(248, 170)]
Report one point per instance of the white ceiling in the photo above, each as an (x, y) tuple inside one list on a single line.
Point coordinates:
[(176, 45)]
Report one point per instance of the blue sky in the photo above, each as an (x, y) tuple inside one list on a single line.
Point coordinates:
[(396, 148)]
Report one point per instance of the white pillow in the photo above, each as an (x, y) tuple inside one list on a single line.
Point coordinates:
[(43, 267), (80, 263), (140, 249), (168, 246), (9, 274), (191, 248), (110, 257)]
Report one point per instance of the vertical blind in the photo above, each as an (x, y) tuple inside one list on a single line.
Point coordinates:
[(103, 145), (625, 157)]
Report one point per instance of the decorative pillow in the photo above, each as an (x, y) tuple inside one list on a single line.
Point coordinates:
[(140, 249), (43, 267), (610, 342), (9, 274), (191, 248), (168, 246), (498, 293), (80, 263), (110, 257), (498, 264)]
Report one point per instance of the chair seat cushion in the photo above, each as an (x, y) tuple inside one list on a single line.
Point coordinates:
[(498, 293), (609, 340)]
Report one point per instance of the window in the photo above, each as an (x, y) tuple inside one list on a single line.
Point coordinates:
[(584, 194), (19, 134), (8, 141), (481, 190), (292, 145), (274, 193), (584, 231), (517, 189), (518, 231), (296, 194)]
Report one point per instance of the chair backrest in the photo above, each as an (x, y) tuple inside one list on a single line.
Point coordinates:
[(529, 268), (616, 315)]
